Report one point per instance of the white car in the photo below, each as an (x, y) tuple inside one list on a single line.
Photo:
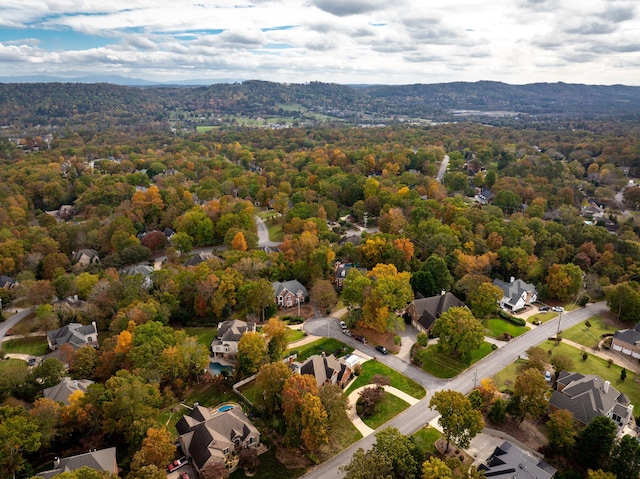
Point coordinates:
[(343, 325), (547, 376), (557, 309)]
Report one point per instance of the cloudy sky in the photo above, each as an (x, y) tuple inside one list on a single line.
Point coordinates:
[(341, 41)]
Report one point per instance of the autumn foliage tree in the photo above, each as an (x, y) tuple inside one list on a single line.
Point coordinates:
[(460, 422), (459, 331)]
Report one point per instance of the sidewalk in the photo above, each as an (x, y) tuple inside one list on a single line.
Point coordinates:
[(353, 399)]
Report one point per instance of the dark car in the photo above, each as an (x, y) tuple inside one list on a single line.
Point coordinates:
[(543, 308), (362, 339), (32, 361), (382, 349)]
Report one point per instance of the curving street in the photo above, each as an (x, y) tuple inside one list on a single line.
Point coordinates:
[(415, 417)]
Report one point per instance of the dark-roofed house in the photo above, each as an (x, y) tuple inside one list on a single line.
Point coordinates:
[(511, 462), (85, 257), (424, 312), (103, 460), (341, 270), (588, 396), (61, 392), (198, 258), (355, 240), (76, 334), (627, 341), (326, 369), (208, 437), (229, 333), (7, 282), (289, 293), (516, 293)]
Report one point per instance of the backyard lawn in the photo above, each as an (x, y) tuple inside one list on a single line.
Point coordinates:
[(326, 345), (497, 326), (269, 468), (33, 345), (388, 408), (398, 381), (294, 335), (205, 335), (443, 366), (589, 336)]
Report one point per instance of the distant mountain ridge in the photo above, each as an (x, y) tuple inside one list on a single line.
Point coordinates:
[(108, 104)]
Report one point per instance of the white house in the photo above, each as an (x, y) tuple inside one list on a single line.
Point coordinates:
[(516, 294)]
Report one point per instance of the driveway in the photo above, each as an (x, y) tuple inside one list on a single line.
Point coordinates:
[(263, 233)]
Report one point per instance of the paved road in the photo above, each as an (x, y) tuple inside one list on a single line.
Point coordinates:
[(443, 168), (263, 233), (415, 417), (12, 321)]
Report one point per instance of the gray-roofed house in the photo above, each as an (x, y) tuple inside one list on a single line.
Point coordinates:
[(198, 258), (145, 271), (588, 396), (627, 341), (228, 336), (207, 437), (7, 282), (424, 312), (102, 460), (85, 257), (76, 334), (65, 388), (516, 294), (289, 293), (326, 369), (511, 462)]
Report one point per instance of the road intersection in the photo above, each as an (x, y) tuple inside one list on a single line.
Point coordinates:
[(415, 417)]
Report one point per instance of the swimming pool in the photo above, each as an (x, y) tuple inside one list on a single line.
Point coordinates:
[(216, 368)]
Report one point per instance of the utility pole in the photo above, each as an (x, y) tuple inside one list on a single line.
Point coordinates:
[(365, 219), (558, 330), (475, 378)]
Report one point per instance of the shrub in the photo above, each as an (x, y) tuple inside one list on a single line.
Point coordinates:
[(397, 340), (423, 339), (511, 319), (583, 299)]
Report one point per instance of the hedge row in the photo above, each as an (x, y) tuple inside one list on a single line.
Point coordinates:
[(512, 319)]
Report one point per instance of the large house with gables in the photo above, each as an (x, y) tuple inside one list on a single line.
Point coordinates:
[(289, 293)]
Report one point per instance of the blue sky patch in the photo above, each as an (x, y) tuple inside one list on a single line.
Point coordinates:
[(54, 39)]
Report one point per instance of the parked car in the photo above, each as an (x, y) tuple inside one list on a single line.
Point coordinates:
[(32, 361), (382, 349), (557, 309), (347, 332), (543, 308), (178, 463), (547, 376), (362, 339), (184, 475), (343, 325)]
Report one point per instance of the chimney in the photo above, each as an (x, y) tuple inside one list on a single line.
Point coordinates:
[(606, 386), (443, 292), (512, 279), (56, 463)]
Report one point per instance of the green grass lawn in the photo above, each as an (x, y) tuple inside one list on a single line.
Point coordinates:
[(10, 366), (209, 395), (269, 468), (252, 392), (403, 383), (498, 326), (388, 408), (326, 345), (33, 345), (205, 335), (275, 231), (589, 336), (443, 366), (294, 335), (542, 317), (425, 439), (593, 365)]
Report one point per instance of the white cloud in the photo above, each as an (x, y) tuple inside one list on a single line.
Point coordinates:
[(348, 41)]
